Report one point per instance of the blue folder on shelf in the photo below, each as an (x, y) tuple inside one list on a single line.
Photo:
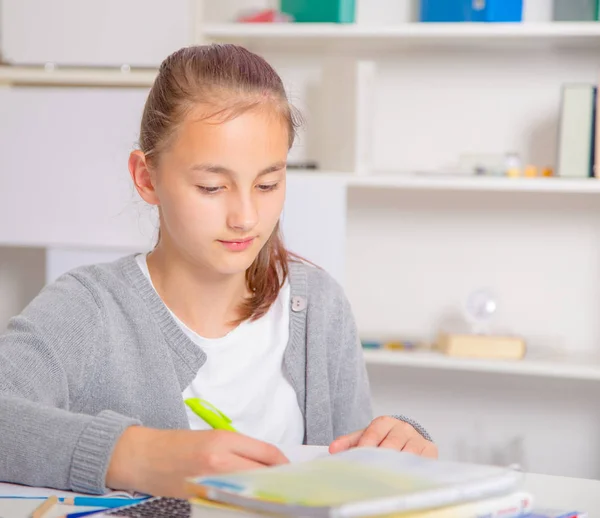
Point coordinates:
[(471, 10)]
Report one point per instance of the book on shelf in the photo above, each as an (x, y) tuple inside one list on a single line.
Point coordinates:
[(575, 10), (577, 135), (579, 132)]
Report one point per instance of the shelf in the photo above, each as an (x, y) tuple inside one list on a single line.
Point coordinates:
[(459, 183), (408, 34), (40, 76), (575, 368)]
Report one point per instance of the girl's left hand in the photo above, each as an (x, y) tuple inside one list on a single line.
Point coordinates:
[(387, 432)]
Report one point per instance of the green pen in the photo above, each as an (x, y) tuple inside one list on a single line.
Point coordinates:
[(211, 415)]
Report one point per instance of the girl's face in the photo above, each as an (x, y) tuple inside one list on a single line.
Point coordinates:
[(221, 188)]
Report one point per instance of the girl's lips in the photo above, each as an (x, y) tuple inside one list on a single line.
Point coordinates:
[(238, 245)]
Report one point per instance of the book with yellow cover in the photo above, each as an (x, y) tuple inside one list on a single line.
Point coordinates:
[(361, 482)]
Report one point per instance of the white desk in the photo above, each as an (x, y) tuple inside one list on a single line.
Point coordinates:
[(550, 492), (565, 493)]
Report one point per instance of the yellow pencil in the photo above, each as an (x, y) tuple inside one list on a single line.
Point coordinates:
[(45, 507)]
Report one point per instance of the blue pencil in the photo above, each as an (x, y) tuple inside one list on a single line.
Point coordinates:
[(82, 513), (100, 501), (88, 501)]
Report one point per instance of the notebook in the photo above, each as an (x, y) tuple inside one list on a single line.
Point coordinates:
[(357, 483)]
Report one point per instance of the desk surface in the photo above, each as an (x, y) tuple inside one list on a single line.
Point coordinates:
[(565, 493), (549, 492)]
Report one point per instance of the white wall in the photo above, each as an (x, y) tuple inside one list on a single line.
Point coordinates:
[(413, 258), (64, 178), (432, 106), (419, 255), (106, 33), (546, 426), (21, 277)]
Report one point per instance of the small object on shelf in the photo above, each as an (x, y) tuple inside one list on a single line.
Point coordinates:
[(401, 345), (547, 172), (512, 165), (320, 11), (575, 10), (371, 344), (481, 164), (471, 11), (480, 307), (264, 16), (481, 346), (531, 171), (392, 345)]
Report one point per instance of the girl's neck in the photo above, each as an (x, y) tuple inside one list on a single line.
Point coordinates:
[(204, 302)]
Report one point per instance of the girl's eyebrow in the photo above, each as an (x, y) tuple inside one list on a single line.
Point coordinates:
[(219, 169)]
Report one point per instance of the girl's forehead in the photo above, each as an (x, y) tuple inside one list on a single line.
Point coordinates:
[(252, 137), (252, 127)]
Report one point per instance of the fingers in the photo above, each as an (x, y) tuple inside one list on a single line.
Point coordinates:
[(256, 451), (430, 450), (415, 446), (399, 442), (386, 432), (345, 442), (376, 432)]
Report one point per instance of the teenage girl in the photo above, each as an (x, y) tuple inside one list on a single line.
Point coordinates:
[(95, 371)]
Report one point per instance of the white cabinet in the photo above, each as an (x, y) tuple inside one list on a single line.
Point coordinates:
[(314, 221), (94, 32), (63, 168)]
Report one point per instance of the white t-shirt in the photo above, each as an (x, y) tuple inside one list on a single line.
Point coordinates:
[(243, 375)]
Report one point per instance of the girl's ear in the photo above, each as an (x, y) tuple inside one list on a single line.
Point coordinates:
[(142, 177)]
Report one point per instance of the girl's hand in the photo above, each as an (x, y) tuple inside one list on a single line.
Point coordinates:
[(157, 462), (387, 432)]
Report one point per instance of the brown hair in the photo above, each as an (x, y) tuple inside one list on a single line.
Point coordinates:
[(233, 80)]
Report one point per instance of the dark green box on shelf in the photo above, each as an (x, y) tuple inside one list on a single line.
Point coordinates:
[(331, 11), (575, 10)]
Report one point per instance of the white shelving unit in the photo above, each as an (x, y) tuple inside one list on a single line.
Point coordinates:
[(377, 37), (448, 182), (81, 76), (580, 368)]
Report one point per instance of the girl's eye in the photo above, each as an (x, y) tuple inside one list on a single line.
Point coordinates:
[(267, 188), (209, 190)]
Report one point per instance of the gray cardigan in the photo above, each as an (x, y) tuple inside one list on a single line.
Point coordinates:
[(97, 351)]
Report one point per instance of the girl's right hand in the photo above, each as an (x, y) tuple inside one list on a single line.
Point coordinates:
[(157, 462)]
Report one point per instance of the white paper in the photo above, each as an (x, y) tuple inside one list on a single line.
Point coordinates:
[(302, 453)]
